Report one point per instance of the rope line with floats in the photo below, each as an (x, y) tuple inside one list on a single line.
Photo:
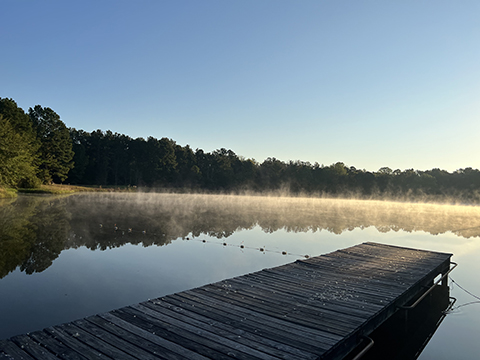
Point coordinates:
[(242, 246)]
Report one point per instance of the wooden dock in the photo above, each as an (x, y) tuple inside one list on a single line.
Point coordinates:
[(319, 308)]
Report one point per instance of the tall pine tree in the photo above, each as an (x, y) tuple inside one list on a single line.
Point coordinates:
[(56, 152)]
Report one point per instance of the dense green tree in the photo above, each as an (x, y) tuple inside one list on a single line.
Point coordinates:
[(337, 178), (222, 169), (203, 161), (17, 168), (80, 157), (18, 147), (187, 173), (246, 172), (271, 174), (56, 152), (300, 176), (120, 163), (165, 161), (139, 162), (17, 118)]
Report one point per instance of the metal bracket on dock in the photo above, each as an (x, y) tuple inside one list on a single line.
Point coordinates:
[(368, 347), (430, 289)]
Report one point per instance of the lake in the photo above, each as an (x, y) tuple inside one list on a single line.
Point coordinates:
[(63, 258)]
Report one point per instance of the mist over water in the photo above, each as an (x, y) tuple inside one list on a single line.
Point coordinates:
[(88, 253), (220, 215)]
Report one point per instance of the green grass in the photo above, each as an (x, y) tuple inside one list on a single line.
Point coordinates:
[(71, 189), (7, 193), (58, 189)]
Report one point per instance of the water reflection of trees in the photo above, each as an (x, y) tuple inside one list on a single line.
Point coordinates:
[(32, 233), (34, 230)]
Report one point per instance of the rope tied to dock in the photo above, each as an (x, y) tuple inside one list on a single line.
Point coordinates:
[(452, 310)]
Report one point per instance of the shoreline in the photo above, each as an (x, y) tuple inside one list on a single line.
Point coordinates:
[(58, 189)]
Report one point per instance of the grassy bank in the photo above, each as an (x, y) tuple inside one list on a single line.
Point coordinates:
[(57, 189), (7, 193), (70, 189)]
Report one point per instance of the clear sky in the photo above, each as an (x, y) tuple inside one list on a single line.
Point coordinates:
[(368, 83)]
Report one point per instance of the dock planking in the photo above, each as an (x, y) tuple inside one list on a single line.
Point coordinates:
[(318, 308)]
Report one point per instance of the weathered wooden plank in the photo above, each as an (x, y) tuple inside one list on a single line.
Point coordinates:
[(114, 340), (311, 273), (292, 318), (305, 326), (305, 335), (155, 350), (227, 347), (336, 279), (319, 286), (152, 338), (373, 263), (70, 341), (365, 263), (377, 247), (395, 259), (319, 290), (220, 328), (353, 300), (198, 329), (382, 275), (12, 351), (306, 304), (285, 304), (56, 347), (308, 272), (194, 343), (32, 347), (94, 342), (394, 256), (279, 338)]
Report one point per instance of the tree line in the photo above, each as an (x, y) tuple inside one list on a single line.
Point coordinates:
[(37, 147)]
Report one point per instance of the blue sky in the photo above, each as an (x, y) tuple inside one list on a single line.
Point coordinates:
[(368, 83)]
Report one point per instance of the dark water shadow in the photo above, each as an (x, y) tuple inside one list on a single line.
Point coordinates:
[(404, 335)]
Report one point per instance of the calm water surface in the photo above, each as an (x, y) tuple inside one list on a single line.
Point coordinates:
[(63, 258)]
